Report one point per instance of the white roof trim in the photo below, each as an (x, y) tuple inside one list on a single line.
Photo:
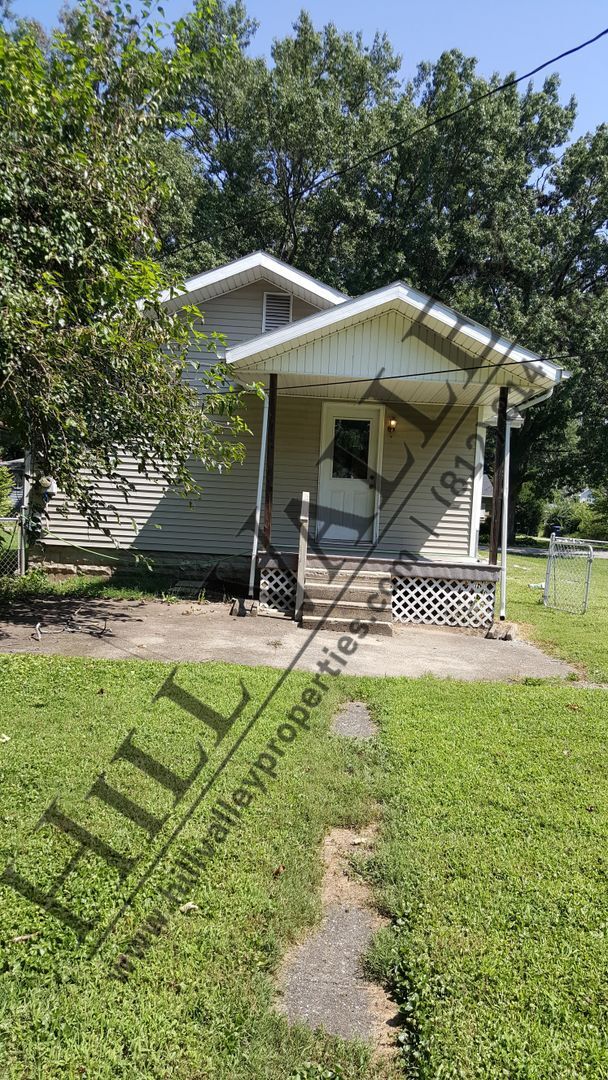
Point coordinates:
[(258, 261), (395, 295)]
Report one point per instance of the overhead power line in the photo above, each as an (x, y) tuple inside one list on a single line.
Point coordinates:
[(420, 374), (415, 374), (455, 112), (433, 122)]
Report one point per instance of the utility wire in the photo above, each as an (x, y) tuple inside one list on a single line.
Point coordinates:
[(434, 122), (414, 374), (421, 374), (455, 112)]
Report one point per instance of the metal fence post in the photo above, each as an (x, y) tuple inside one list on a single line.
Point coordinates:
[(22, 556), (548, 571)]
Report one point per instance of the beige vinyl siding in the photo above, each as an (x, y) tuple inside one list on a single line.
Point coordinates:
[(213, 523), (298, 440), (449, 450), (220, 520), (154, 518), (167, 522), (238, 314)]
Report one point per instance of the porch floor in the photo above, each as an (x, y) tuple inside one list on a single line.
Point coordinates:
[(204, 632)]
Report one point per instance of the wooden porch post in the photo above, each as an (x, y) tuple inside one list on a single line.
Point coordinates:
[(272, 423), (499, 469)]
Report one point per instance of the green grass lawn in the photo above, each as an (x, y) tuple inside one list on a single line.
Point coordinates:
[(580, 639), (491, 864), (135, 585)]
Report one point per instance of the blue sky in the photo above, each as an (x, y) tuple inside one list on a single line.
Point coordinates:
[(510, 35)]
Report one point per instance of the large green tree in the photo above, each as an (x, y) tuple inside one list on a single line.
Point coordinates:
[(325, 159), (87, 373), (262, 136)]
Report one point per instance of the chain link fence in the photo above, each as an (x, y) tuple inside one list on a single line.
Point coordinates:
[(568, 575), (11, 546)]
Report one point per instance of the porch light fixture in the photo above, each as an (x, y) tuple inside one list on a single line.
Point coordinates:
[(392, 425)]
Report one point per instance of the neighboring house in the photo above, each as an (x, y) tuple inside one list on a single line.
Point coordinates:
[(377, 407), (15, 466), (487, 494)]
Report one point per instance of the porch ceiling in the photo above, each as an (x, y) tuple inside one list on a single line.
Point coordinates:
[(477, 392)]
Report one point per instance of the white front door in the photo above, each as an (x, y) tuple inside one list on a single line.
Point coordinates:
[(348, 471)]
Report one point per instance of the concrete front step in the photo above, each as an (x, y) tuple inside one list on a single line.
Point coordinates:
[(313, 622), (370, 579), (346, 580), (317, 590), (347, 609), (352, 563)]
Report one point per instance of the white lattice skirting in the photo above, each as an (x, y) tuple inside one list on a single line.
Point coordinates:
[(434, 601), (443, 602), (277, 589)]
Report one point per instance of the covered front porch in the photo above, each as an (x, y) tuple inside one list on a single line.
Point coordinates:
[(393, 508), (339, 590), (387, 527), (371, 460)]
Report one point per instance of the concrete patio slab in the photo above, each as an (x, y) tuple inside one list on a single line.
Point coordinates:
[(155, 630)]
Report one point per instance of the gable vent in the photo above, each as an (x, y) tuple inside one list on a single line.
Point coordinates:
[(277, 311)]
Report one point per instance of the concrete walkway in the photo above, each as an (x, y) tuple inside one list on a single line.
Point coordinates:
[(321, 981), (153, 630)]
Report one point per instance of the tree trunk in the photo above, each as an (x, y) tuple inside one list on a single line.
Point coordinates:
[(514, 490)]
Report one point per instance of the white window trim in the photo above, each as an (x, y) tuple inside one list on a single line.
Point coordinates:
[(276, 292)]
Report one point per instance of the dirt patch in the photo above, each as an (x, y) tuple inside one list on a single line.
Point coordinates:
[(353, 721), (321, 982)]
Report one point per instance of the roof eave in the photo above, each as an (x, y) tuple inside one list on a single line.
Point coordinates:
[(258, 261), (396, 294)]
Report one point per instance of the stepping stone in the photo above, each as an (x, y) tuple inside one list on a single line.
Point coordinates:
[(325, 986), (354, 721), (322, 983)]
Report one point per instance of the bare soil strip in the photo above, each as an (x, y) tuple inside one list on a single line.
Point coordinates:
[(321, 982)]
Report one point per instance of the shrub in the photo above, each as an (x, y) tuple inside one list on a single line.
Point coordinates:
[(564, 510), (6, 486), (530, 511)]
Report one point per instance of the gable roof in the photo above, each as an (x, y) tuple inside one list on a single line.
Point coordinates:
[(255, 267), (465, 333)]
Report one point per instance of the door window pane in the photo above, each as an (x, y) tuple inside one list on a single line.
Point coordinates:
[(351, 449)]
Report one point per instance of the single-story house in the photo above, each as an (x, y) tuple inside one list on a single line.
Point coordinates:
[(366, 456)]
